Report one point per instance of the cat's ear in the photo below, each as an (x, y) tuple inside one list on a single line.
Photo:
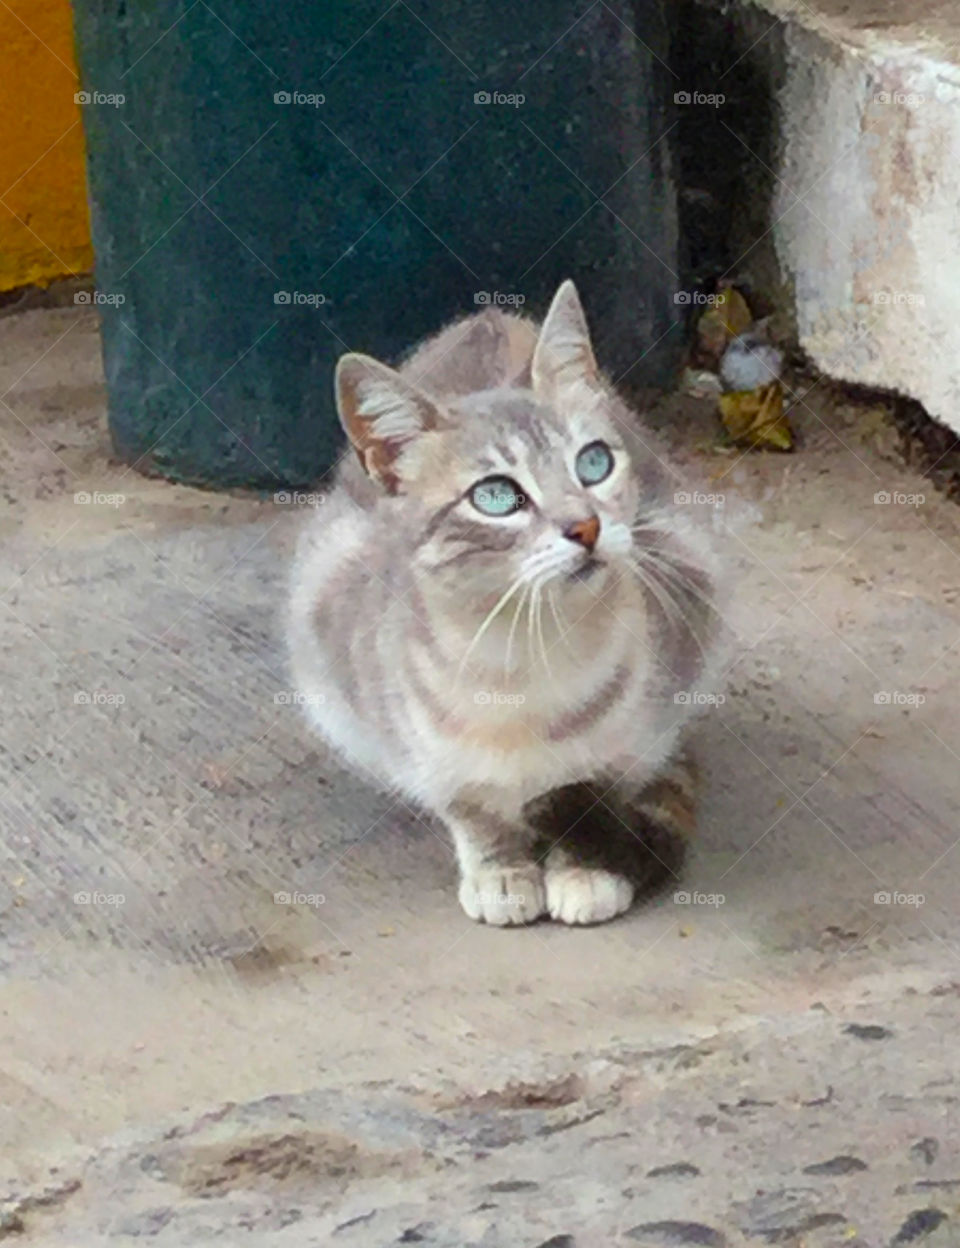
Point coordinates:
[(381, 413), (563, 356)]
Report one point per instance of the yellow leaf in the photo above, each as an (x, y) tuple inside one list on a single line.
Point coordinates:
[(756, 417), (733, 312), (728, 318)]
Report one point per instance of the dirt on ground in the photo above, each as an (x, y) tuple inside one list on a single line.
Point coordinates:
[(763, 1053)]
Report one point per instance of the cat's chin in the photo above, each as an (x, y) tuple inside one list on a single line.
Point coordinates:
[(589, 570)]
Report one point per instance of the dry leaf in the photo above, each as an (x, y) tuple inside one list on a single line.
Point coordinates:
[(756, 417), (728, 318)]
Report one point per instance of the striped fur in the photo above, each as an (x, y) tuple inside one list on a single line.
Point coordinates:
[(474, 664)]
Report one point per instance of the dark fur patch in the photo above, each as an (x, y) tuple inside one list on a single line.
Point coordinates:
[(614, 833)]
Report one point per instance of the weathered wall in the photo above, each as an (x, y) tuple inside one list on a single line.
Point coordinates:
[(829, 177), (867, 213), (44, 226)]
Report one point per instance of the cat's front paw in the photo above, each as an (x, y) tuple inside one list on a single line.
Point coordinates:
[(586, 895), (504, 895)]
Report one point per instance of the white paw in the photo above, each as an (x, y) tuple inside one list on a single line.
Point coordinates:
[(583, 895), (504, 895)]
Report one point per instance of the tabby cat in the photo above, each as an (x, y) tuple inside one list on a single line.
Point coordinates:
[(501, 597)]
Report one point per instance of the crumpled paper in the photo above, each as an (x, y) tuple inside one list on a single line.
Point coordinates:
[(735, 347)]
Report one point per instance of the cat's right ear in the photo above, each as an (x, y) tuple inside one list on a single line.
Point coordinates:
[(381, 413)]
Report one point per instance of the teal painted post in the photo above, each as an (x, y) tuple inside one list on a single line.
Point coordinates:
[(274, 185)]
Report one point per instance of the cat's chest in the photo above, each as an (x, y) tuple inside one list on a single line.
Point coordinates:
[(547, 734), (524, 757)]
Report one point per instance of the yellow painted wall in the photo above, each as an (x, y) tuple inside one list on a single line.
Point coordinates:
[(44, 224)]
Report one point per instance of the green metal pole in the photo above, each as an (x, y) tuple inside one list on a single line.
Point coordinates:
[(273, 186)]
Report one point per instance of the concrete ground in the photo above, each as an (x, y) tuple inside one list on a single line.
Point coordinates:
[(184, 1061)]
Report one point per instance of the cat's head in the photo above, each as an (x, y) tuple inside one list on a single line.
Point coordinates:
[(536, 483)]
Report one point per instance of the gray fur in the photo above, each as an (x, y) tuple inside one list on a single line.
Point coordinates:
[(421, 668)]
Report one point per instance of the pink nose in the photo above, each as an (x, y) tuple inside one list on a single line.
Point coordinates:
[(585, 532)]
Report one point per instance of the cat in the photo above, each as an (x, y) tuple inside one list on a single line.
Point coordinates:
[(500, 599)]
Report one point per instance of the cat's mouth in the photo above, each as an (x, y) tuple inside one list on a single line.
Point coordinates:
[(590, 566)]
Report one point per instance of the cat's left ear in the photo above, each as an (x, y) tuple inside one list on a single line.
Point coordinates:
[(563, 356), (381, 413)]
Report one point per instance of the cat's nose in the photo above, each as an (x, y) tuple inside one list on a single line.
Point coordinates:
[(585, 532)]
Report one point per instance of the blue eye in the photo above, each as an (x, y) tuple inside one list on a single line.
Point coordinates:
[(594, 463), (497, 496)]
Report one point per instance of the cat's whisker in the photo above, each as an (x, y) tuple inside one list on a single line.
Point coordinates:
[(563, 625), (541, 591), (513, 628), (675, 570), (487, 622), (664, 599), (656, 572), (530, 613), (531, 571)]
